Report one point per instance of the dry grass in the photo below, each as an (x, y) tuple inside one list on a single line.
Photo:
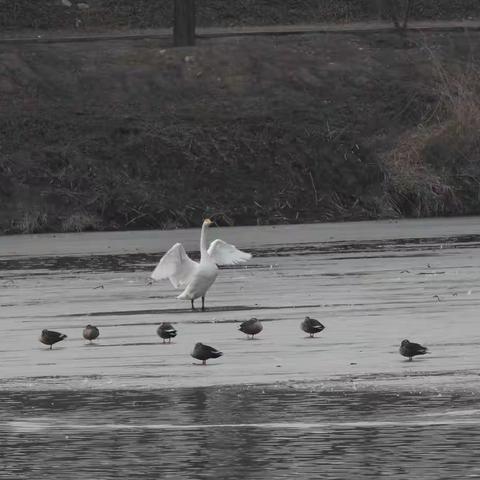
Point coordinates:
[(434, 169), (80, 222), (30, 222)]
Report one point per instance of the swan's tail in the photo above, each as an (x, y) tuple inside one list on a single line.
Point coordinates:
[(184, 296)]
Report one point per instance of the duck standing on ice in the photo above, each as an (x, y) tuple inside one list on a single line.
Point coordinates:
[(311, 326), (49, 337), (410, 349), (205, 352), (251, 327)]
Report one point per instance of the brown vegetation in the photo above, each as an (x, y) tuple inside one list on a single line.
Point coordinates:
[(434, 169), (258, 130)]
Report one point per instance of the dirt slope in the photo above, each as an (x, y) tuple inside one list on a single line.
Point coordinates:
[(258, 130)]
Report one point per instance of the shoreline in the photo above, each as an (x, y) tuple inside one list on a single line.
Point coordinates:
[(156, 241)]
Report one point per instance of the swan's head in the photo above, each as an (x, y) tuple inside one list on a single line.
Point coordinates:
[(207, 222)]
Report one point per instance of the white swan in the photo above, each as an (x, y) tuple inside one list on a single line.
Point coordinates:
[(196, 277)]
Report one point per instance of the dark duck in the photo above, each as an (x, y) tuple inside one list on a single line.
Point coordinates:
[(166, 332), (49, 337), (204, 352), (410, 349), (90, 332), (311, 326), (251, 327)]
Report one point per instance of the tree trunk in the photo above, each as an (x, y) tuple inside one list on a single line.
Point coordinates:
[(380, 10), (184, 23), (408, 11), (394, 8)]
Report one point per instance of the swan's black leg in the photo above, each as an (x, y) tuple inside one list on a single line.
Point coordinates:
[(51, 347), (203, 304), (193, 306)]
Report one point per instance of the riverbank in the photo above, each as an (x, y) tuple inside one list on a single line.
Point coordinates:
[(366, 235), (262, 130)]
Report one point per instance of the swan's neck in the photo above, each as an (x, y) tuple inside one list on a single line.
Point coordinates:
[(203, 242)]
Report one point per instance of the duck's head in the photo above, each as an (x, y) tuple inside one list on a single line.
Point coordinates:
[(207, 222), (405, 342)]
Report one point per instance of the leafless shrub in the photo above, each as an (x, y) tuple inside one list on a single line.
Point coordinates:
[(80, 222), (434, 169), (30, 222)]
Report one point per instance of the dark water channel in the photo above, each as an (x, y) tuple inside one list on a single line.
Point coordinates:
[(239, 433)]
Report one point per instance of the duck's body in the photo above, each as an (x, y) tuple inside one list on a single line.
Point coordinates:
[(90, 333), (49, 337), (166, 332), (410, 349), (311, 326), (197, 277), (251, 327), (205, 352)]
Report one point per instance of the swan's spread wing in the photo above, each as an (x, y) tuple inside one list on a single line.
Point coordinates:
[(175, 265), (223, 253)]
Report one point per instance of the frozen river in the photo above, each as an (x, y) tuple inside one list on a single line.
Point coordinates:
[(278, 406)]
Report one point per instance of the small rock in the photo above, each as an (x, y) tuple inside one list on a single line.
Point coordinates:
[(189, 58), (83, 6), (66, 3)]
